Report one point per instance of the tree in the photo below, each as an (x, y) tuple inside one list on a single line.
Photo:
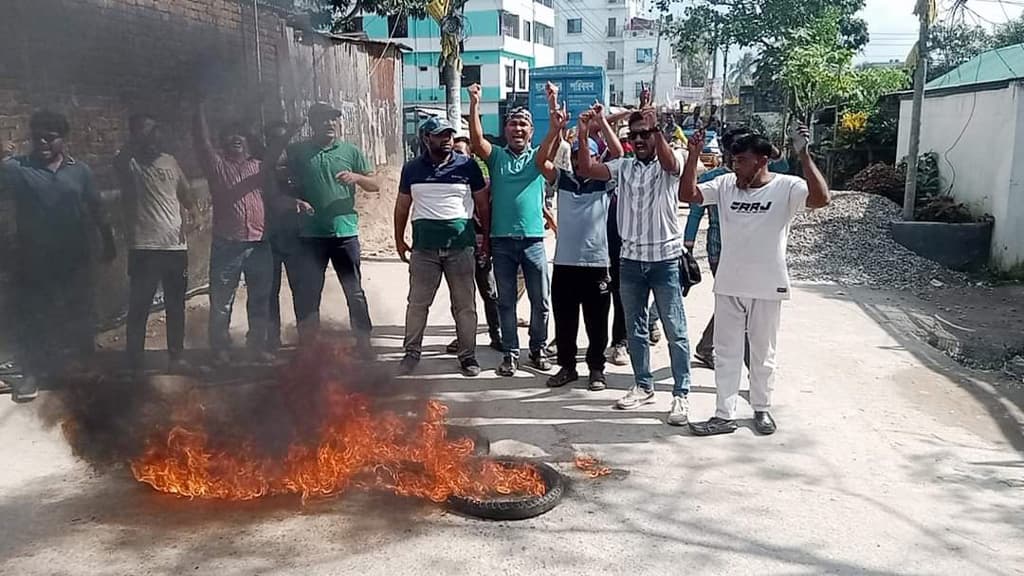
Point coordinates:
[(870, 84), (818, 69), (950, 45), (1009, 33), (336, 15), (742, 72)]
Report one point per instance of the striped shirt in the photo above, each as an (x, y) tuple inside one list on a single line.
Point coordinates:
[(236, 193), (442, 201), (647, 210)]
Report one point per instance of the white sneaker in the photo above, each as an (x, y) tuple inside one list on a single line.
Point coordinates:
[(618, 355), (679, 415), (636, 398)]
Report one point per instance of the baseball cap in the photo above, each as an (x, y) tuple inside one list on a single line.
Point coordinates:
[(322, 110), (436, 125), (461, 137), (591, 144)]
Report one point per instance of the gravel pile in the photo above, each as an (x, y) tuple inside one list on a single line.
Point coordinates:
[(850, 243)]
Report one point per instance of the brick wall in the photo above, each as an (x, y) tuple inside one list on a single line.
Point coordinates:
[(98, 61)]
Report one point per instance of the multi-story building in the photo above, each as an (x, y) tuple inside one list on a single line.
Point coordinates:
[(621, 36), (504, 40)]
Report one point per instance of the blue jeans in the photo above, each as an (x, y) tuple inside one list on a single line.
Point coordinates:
[(638, 280), (228, 260), (509, 255)]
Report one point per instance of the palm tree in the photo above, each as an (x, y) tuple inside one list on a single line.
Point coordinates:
[(742, 72)]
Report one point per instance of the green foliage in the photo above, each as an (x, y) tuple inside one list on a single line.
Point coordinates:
[(1009, 34), (870, 84), (818, 70), (335, 15), (950, 45)]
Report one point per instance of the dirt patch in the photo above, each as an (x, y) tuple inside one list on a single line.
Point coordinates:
[(376, 215)]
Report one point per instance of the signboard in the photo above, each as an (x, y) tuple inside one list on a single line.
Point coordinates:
[(578, 87)]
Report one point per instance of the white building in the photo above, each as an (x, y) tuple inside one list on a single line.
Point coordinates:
[(505, 39), (621, 36)]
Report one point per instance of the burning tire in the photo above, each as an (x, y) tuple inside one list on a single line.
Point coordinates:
[(481, 444), (514, 507)]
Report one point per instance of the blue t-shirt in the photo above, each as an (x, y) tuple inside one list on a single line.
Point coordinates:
[(517, 194), (582, 222)]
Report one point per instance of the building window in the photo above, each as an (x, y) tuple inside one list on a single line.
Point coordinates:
[(574, 26), (544, 34), (470, 74), (644, 55), (510, 76), (423, 68), (509, 24), (527, 31), (574, 58), (611, 60), (522, 79), (611, 95), (398, 26), (639, 89), (547, 3), (613, 28)]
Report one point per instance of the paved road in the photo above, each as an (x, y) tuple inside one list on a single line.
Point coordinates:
[(889, 460)]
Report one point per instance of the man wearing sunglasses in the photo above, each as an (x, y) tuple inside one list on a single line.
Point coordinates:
[(652, 246), (55, 199), (517, 230)]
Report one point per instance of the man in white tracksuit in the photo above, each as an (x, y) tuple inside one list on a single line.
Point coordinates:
[(755, 209)]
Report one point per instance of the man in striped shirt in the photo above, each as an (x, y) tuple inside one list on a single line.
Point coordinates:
[(239, 246), (652, 246), (442, 190)]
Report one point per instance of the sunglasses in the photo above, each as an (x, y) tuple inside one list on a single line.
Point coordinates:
[(642, 134), (48, 137)]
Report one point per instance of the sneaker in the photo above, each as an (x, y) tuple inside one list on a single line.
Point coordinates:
[(552, 349), (496, 345), (470, 367), (564, 376), (508, 367), (618, 355), (654, 334), (597, 381), (408, 365), (522, 323), (679, 415), (452, 347), (25, 391), (636, 398), (540, 361)]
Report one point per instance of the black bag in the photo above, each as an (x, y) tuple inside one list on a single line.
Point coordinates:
[(689, 271)]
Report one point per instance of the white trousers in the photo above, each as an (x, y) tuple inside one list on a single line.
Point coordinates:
[(759, 321)]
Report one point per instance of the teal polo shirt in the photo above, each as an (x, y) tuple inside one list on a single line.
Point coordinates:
[(333, 202), (517, 194)]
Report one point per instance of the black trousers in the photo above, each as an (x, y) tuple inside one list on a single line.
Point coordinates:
[(488, 290), (53, 304), (148, 269), (574, 288), (343, 254), (285, 248)]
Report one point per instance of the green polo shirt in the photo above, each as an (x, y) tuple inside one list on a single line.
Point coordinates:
[(334, 203), (517, 194)]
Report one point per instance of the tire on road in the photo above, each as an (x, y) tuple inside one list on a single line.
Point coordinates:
[(514, 507)]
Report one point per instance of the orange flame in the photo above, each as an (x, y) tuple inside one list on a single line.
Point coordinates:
[(591, 466), (355, 447)]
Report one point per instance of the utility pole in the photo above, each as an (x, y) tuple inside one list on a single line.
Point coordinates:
[(924, 13), (449, 20), (657, 58), (725, 72)]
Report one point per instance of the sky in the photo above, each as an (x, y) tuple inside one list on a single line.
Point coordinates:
[(893, 27)]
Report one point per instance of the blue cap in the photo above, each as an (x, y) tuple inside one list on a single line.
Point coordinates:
[(591, 144), (436, 125)]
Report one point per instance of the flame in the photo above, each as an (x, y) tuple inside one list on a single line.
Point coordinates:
[(591, 466), (354, 447)]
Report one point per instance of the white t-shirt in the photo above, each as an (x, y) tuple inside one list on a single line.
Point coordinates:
[(755, 229)]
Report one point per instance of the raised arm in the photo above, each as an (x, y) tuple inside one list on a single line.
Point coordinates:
[(481, 147), (818, 193), (552, 141), (666, 157), (688, 190), (586, 166), (201, 134), (610, 137)]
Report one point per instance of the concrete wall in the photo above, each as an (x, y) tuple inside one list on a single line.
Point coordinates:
[(98, 61), (979, 140)]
